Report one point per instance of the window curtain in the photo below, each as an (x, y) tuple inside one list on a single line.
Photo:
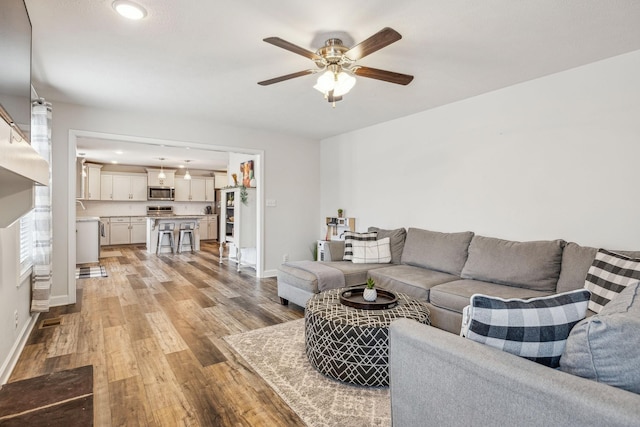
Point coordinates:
[(41, 277)]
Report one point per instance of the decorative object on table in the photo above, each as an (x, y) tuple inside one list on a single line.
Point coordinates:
[(370, 293), (340, 212), (235, 179), (354, 297), (247, 173)]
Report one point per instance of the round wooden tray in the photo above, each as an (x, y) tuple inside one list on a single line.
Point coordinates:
[(352, 297)]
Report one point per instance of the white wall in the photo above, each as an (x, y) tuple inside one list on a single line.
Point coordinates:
[(15, 296), (285, 157), (556, 157)]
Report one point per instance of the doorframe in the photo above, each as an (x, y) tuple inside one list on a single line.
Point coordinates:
[(74, 134)]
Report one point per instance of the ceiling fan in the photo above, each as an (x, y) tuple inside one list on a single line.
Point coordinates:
[(337, 63)]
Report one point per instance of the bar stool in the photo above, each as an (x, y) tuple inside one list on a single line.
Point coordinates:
[(186, 228), (166, 229)]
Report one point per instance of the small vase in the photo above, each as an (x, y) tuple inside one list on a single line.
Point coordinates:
[(370, 295)]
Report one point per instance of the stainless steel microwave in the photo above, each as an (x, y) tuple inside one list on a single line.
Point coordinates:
[(161, 193)]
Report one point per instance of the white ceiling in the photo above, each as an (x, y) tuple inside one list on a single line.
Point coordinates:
[(203, 58)]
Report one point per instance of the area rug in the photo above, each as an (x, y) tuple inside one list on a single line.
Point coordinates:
[(277, 354), (86, 272)]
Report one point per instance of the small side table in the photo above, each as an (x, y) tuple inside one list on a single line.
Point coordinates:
[(350, 344)]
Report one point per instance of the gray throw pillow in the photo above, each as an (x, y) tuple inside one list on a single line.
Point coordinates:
[(606, 346), (396, 238), (531, 265), (446, 252)]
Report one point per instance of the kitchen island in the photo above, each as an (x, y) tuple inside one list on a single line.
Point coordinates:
[(153, 223)]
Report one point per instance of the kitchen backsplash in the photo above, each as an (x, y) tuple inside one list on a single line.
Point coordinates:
[(104, 208)]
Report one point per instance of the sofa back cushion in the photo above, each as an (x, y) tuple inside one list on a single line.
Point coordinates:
[(604, 347), (576, 261), (532, 265), (396, 238), (446, 252)]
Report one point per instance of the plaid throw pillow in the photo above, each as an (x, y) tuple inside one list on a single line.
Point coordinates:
[(608, 275), (536, 329), (350, 237), (367, 251)]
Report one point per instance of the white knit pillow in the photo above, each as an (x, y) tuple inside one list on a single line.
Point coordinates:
[(371, 251)]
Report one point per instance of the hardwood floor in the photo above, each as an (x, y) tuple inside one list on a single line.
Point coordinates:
[(153, 332)]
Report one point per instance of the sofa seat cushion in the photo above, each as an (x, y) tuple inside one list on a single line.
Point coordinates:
[(354, 274), (455, 296), (532, 265), (410, 280), (446, 252), (605, 347)]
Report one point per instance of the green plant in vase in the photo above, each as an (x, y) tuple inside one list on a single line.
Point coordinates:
[(370, 293)]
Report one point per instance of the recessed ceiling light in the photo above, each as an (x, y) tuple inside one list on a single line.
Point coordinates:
[(115, 162), (119, 152), (129, 9)]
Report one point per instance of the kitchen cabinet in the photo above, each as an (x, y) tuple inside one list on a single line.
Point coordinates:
[(238, 225), (153, 180), (123, 187), (120, 233), (92, 181), (87, 240), (138, 230), (221, 180), (190, 190), (209, 190), (209, 227), (126, 230)]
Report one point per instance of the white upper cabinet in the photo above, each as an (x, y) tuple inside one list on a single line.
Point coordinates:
[(191, 190)]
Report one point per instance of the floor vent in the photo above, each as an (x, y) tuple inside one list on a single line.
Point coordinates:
[(50, 323)]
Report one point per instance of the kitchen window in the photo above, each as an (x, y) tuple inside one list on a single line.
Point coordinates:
[(26, 245)]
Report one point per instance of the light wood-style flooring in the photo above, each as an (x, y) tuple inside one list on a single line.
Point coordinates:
[(153, 332)]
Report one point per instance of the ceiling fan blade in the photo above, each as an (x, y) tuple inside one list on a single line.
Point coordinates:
[(287, 77), (381, 39), (277, 41), (387, 76)]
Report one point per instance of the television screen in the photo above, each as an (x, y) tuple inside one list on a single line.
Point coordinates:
[(15, 64)]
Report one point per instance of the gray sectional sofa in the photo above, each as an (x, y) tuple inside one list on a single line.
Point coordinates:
[(446, 269), (439, 378)]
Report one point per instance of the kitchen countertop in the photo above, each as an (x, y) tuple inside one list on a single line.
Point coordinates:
[(87, 218)]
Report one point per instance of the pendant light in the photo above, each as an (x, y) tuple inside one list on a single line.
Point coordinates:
[(187, 175), (162, 175)]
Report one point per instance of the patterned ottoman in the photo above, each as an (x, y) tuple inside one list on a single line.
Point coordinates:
[(350, 344)]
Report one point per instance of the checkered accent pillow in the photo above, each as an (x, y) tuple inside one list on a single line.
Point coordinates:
[(536, 329), (368, 251), (608, 275), (352, 236)]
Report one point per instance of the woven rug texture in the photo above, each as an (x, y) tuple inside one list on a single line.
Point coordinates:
[(277, 354), (86, 272)]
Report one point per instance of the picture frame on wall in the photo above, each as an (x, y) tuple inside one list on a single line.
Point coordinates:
[(247, 172)]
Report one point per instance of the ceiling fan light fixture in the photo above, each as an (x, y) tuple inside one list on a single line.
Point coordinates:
[(129, 9), (339, 82)]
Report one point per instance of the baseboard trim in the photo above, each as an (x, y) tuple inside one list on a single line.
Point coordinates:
[(59, 300), (270, 273), (16, 350)]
